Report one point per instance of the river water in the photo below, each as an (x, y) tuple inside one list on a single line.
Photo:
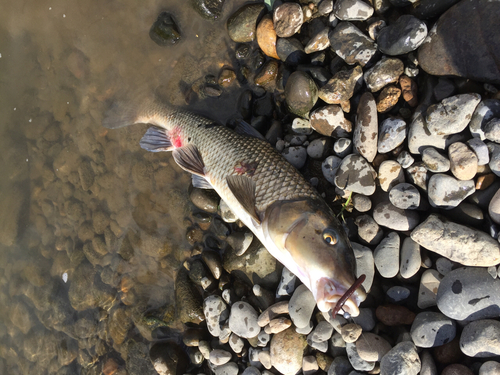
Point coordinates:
[(92, 228)]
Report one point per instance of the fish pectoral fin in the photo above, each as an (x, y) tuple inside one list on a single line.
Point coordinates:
[(243, 189), (188, 158), (200, 182), (155, 140), (244, 128)]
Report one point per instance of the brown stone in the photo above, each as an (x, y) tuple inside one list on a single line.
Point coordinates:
[(268, 74), (456, 369), (287, 351), (449, 352), (485, 181), (340, 87), (394, 315), (388, 98), (266, 37), (226, 77), (410, 90)]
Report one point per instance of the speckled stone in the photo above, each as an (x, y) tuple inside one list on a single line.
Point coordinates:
[(352, 10), (403, 36), (351, 44), (329, 168), (243, 320), (288, 19), (384, 72), (364, 264), (330, 121), (483, 113), (390, 174), (417, 175), (287, 351), (339, 89), (463, 162), (368, 230), (435, 161), (300, 126), (386, 214), (365, 136), (386, 255), (296, 155), (301, 306), (419, 137), (342, 147), (361, 203), (457, 242), (405, 196), (410, 258), (447, 191), (405, 159), (318, 42), (356, 174), (403, 359), (430, 329), (215, 311), (392, 134), (388, 98), (479, 339)]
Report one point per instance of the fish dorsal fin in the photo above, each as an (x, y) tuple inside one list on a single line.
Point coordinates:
[(188, 158), (244, 128), (200, 182), (155, 140), (243, 189)]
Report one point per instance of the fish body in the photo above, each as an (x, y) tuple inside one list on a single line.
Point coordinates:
[(263, 190)]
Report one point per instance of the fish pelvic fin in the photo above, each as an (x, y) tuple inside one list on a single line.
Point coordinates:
[(243, 189), (156, 140), (189, 158), (200, 182)]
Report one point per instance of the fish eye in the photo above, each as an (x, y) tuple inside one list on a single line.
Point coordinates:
[(330, 237)]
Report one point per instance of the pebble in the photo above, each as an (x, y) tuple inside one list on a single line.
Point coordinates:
[(397, 293), (295, 155), (239, 241), (318, 42), (446, 191), (267, 75), (351, 332), (403, 36), (403, 359), (300, 126), (271, 312), (384, 72), (428, 365), (479, 339), (301, 93), (351, 44), (277, 325), (287, 351), (164, 31), (459, 243), (435, 161), (386, 255), (236, 343), (251, 370), (340, 366), (388, 98), (205, 199), (427, 292), (342, 147), (329, 168), (291, 51), (330, 121), (480, 149), (444, 89), (287, 18), (387, 215), (230, 368), (463, 162), (405, 159), (287, 284), (365, 137), (483, 113), (356, 174), (366, 319), (356, 361), (364, 264), (309, 365), (265, 359), (392, 134), (352, 10), (409, 90), (394, 315), (242, 24), (489, 368), (368, 230), (390, 174), (361, 203), (405, 196), (469, 294), (494, 207), (243, 320), (340, 88), (319, 148), (494, 163), (410, 258), (266, 36), (322, 332), (305, 330), (301, 306), (219, 357), (430, 329), (263, 338), (419, 136), (492, 130), (451, 115), (372, 347)]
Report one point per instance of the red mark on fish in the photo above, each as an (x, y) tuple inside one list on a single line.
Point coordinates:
[(246, 168), (175, 137)]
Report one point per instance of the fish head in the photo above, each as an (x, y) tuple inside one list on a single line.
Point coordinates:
[(313, 245)]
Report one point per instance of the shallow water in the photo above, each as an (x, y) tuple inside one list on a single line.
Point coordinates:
[(68, 186)]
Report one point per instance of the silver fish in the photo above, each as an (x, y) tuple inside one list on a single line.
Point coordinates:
[(264, 190)]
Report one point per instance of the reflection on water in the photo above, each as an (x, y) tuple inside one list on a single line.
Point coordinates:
[(91, 226)]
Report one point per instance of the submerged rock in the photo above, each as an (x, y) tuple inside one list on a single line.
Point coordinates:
[(164, 31)]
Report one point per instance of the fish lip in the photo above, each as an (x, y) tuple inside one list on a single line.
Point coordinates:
[(329, 292)]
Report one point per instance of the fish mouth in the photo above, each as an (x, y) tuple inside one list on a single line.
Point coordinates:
[(331, 296)]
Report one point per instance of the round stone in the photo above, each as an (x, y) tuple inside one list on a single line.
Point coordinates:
[(483, 113), (463, 162), (340, 88), (430, 329), (372, 347), (410, 258), (387, 215), (243, 320), (480, 149), (405, 196), (266, 37), (384, 72), (329, 168), (366, 127), (215, 311), (301, 93), (319, 148), (361, 203), (342, 147), (390, 174), (494, 207), (480, 339), (489, 368), (287, 351), (427, 292), (295, 155), (446, 191), (318, 42), (434, 161), (288, 19), (356, 361), (291, 51), (397, 293), (392, 134), (356, 174), (219, 357), (364, 264), (386, 255), (301, 306), (242, 24)]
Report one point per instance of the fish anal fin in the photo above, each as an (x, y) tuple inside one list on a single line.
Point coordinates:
[(200, 182), (243, 189), (188, 158), (156, 140)]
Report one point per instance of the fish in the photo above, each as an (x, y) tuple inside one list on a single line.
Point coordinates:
[(264, 191)]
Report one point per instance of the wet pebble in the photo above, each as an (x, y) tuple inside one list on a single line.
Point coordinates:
[(457, 242), (427, 292), (168, 358), (447, 191), (288, 19), (243, 320), (356, 174), (410, 258), (403, 36), (403, 359), (392, 134), (301, 93), (479, 339), (266, 37), (372, 347), (165, 31), (352, 10), (240, 241), (330, 121), (386, 255), (205, 199), (242, 24), (463, 162), (301, 306), (386, 214), (318, 42), (351, 44), (405, 196), (386, 71), (291, 51), (365, 137), (430, 329)]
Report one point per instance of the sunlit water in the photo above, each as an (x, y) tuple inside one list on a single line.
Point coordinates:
[(68, 186)]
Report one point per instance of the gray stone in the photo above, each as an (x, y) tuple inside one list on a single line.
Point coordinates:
[(342, 147), (242, 24), (435, 161), (365, 136), (494, 207), (322, 332), (494, 163), (366, 319), (456, 242), (431, 329), (295, 155), (480, 149), (386, 255), (330, 121), (351, 44), (444, 89), (364, 264), (287, 19), (361, 203), (372, 347), (384, 72), (219, 357), (291, 51), (287, 283), (405, 196), (243, 320), (301, 306), (329, 168), (410, 258), (452, 115), (230, 368), (301, 126), (492, 130), (419, 136), (398, 293), (490, 368), (301, 93), (427, 292), (368, 230), (251, 370), (340, 366), (387, 215), (484, 112), (392, 134), (428, 365), (216, 312), (236, 343), (463, 162), (319, 148), (479, 339), (356, 174), (447, 192), (352, 10), (403, 359), (403, 36), (405, 159), (469, 294), (356, 361), (390, 174)]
